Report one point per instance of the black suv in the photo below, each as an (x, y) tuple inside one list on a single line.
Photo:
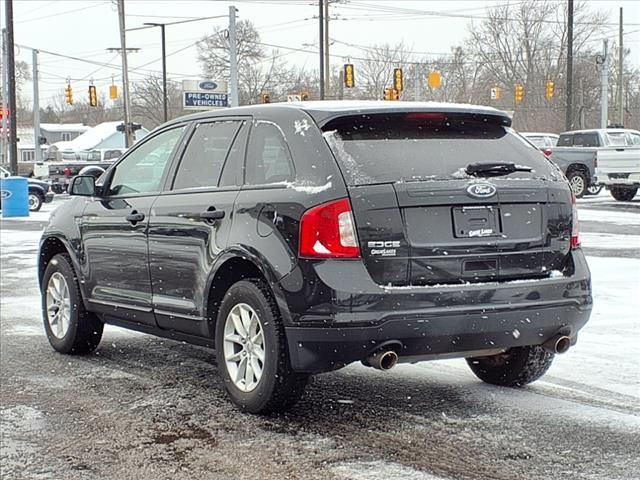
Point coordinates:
[(298, 238)]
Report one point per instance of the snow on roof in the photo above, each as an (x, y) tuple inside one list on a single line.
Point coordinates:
[(90, 138), (64, 127)]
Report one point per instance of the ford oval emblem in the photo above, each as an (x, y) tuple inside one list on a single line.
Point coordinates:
[(208, 85), (5, 194), (481, 190)]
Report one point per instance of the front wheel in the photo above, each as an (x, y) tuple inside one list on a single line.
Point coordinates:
[(69, 326), (251, 351), (35, 202), (514, 368), (623, 194), (594, 189)]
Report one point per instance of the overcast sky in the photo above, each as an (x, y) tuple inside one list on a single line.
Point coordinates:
[(87, 28)]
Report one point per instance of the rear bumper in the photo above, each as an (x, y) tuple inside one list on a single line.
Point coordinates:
[(615, 180), (437, 322)]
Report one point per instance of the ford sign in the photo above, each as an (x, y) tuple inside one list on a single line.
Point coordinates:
[(208, 85), (481, 190), (5, 194)]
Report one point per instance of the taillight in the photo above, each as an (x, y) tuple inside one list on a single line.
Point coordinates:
[(67, 172), (575, 230), (547, 152), (328, 231)]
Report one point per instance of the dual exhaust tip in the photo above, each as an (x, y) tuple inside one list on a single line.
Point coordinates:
[(386, 359)]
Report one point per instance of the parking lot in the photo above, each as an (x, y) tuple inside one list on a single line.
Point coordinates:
[(147, 408)]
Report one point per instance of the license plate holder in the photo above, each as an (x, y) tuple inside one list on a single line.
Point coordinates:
[(477, 221)]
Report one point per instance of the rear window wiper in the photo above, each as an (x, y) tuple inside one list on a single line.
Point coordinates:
[(493, 169)]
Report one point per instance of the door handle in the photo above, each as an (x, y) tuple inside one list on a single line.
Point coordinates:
[(135, 217), (212, 214)]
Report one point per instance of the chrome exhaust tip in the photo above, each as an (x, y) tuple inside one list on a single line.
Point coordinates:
[(382, 360), (558, 344)]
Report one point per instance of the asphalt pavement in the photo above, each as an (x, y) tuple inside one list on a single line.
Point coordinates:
[(146, 408)]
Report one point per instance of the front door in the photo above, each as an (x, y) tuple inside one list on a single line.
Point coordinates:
[(190, 223), (114, 231)]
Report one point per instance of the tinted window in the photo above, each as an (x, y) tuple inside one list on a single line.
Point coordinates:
[(268, 156), (415, 146), (585, 140), (233, 167), (205, 154), (141, 171), (565, 140)]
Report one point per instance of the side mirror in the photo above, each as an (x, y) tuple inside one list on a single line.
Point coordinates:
[(83, 185)]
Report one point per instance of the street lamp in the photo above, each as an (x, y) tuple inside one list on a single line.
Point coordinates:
[(164, 67)]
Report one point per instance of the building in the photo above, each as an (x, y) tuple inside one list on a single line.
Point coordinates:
[(102, 138)]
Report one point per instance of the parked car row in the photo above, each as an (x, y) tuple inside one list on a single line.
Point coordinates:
[(596, 158)]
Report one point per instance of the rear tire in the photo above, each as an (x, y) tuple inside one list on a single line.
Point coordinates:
[(623, 194), (70, 328), (514, 368), (578, 183), (251, 351)]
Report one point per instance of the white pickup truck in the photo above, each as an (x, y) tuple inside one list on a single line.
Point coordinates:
[(613, 153)]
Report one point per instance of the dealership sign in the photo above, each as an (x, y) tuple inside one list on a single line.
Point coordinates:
[(204, 94)]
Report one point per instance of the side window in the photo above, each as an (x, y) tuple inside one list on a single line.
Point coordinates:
[(635, 138), (205, 154), (233, 167), (268, 156), (141, 171), (565, 140)]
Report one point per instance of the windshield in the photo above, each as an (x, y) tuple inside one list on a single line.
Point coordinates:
[(382, 148)]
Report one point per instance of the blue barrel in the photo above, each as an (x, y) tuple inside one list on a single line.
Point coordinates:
[(15, 197)]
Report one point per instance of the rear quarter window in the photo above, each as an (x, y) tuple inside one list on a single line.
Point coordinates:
[(384, 148)]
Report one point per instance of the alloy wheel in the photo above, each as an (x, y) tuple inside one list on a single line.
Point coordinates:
[(244, 349), (577, 185), (58, 305)]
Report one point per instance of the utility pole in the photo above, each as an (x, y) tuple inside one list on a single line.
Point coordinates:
[(11, 82), (128, 134), (164, 68), (36, 107), (327, 67), (569, 110), (604, 84), (620, 76), (321, 43), (233, 58), (5, 120)]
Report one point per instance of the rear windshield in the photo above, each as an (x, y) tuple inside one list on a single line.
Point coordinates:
[(415, 146)]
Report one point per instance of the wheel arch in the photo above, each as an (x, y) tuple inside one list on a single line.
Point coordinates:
[(582, 168), (50, 246), (233, 266)]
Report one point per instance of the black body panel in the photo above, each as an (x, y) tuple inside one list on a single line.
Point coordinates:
[(441, 272)]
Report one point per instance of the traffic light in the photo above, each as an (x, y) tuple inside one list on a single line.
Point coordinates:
[(397, 79), (113, 92), (304, 96), (519, 93), (550, 88), (349, 80), (266, 98), (391, 94), (68, 94), (434, 80), (93, 96)]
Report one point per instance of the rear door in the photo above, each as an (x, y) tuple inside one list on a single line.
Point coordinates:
[(190, 222), (422, 219)]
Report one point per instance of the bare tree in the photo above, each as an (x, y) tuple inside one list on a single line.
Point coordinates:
[(146, 101), (375, 72)]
